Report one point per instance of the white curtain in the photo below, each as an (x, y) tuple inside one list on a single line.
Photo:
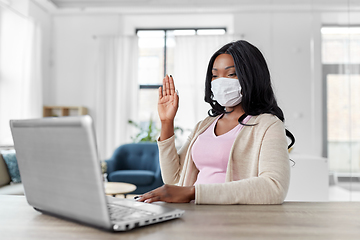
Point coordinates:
[(192, 55), (31, 88), (116, 92), (20, 70)]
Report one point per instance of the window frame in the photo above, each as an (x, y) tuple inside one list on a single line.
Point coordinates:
[(156, 86)]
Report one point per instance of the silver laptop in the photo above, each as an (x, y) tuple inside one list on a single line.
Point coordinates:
[(61, 174)]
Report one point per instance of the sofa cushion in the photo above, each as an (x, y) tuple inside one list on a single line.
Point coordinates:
[(4, 174), (9, 157), (137, 177)]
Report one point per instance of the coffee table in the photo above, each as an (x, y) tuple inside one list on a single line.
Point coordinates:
[(114, 188)]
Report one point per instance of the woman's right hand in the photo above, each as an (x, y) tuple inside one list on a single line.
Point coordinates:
[(168, 100)]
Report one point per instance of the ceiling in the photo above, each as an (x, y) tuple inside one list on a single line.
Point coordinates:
[(191, 6)]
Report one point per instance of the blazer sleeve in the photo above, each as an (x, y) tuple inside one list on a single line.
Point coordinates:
[(271, 184)]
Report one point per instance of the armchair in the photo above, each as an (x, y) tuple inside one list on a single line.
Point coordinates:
[(136, 163)]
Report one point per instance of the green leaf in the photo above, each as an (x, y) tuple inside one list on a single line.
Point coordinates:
[(148, 133)]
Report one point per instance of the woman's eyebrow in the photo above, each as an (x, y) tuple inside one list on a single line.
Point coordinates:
[(229, 67), (215, 69)]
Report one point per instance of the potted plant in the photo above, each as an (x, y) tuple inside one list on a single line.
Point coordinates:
[(148, 132)]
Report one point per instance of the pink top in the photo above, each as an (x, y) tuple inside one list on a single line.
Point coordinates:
[(211, 153)]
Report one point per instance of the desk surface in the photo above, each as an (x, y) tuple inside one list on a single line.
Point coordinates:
[(292, 220)]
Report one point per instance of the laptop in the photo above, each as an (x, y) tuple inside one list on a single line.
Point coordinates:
[(61, 174)]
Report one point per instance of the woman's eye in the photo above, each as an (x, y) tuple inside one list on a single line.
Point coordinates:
[(213, 76), (232, 75)]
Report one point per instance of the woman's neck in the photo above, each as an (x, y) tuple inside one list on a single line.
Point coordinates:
[(234, 112)]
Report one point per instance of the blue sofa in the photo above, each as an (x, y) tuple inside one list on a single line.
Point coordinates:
[(136, 163), (10, 181)]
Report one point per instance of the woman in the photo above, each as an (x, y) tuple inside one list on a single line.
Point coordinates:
[(237, 155)]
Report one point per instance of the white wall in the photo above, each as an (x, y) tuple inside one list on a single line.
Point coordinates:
[(132, 22), (74, 56)]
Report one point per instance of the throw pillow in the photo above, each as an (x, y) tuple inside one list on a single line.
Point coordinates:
[(9, 157)]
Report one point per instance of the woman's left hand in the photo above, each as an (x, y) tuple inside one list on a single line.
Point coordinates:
[(169, 193)]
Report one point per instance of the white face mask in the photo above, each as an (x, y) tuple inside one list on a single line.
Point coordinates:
[(227, 91)]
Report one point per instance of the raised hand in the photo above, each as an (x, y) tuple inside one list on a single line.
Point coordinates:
[(168, 100)]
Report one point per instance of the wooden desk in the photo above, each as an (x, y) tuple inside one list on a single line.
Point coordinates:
[(292, 220)]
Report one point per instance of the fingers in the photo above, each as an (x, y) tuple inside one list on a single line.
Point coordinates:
[(171, 85), (149, 197), (176, 99), (153, 199), (164, 86), (167, 85), (160, 93), (168, 88)]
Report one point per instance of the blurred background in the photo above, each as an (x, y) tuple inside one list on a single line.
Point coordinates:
[(109, 57)]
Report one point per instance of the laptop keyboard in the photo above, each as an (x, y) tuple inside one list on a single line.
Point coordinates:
[(122, 213)]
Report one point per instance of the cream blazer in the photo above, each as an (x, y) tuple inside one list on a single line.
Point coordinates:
[(258, 170)]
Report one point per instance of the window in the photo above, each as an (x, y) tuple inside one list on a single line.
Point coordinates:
[(156, 59), (12, 54), (341, 79), (20, 70)]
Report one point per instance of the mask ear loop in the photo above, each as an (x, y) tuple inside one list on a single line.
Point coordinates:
[(228, 112)]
